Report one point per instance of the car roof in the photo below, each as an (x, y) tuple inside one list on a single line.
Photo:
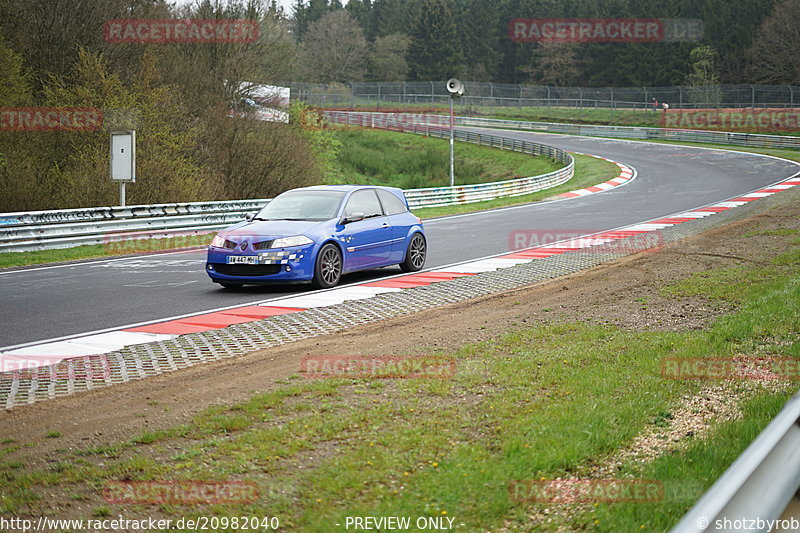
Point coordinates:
[(346, 188)]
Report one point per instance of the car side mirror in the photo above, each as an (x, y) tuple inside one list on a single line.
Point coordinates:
[(250, 216), (355, 217)]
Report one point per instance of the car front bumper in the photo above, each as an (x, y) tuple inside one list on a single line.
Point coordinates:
[(272, 266)]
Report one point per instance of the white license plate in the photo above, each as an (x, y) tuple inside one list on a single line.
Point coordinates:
[(243, 259)]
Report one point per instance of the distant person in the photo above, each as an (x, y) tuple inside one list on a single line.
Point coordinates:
[(665, 106), (655, 104)]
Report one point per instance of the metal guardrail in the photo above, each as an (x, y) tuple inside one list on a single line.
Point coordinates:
[(759, 485), (754, 140), (40, 230), (121, 226)]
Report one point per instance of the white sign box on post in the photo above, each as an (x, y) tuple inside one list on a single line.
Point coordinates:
[(123, 156)]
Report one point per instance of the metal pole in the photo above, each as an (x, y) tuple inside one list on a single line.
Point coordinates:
[(122, 194), (452, 158)]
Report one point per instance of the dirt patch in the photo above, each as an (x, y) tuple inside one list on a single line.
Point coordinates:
[(626, 293)]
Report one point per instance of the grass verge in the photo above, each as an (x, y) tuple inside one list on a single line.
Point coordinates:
[(396, 159), (543, 402)]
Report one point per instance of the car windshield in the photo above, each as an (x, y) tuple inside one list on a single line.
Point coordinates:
[(302, 205)]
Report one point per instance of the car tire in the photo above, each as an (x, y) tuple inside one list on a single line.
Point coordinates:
[(227, 285), (416, 253), (327, 267)]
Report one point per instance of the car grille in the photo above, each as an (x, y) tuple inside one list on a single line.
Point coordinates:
[(230, 245), (246, 270), (263, 245)]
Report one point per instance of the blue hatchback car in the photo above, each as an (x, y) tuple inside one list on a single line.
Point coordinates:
[(317, 234)]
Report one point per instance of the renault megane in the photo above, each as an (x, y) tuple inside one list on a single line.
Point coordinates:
[(317, 234)]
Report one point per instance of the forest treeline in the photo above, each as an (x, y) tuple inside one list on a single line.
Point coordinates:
[(744, 41)]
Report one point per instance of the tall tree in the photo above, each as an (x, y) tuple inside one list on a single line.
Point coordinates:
[(773, 52), (211, 74), (304, 14), (387, 57), (363, 12), (391, 16), (49, 33), (480, 21), (435, 52), (704, 78), (334, 49), (556, 64)]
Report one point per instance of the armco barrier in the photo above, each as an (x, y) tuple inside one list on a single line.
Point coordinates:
[(758, 486), (41, 230)]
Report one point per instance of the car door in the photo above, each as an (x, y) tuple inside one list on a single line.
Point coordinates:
[(400, 221), (366, 242)]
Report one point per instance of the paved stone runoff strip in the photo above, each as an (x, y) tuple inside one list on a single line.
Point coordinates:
[(235, 332)]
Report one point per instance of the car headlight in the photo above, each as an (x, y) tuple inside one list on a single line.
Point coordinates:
[(218, 241), (286, 242)]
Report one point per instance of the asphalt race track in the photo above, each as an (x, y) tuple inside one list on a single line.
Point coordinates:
[(44, 303)]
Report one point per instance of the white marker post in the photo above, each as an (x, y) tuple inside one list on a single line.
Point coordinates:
[(123, 160)]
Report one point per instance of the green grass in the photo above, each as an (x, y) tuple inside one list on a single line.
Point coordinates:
[(539, 402), (735, 284), (411, 161)]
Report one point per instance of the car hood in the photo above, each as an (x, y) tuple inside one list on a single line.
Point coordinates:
[(272, 229)]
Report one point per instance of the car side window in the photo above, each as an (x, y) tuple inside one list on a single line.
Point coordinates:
[(391, 203), (364, 202)]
